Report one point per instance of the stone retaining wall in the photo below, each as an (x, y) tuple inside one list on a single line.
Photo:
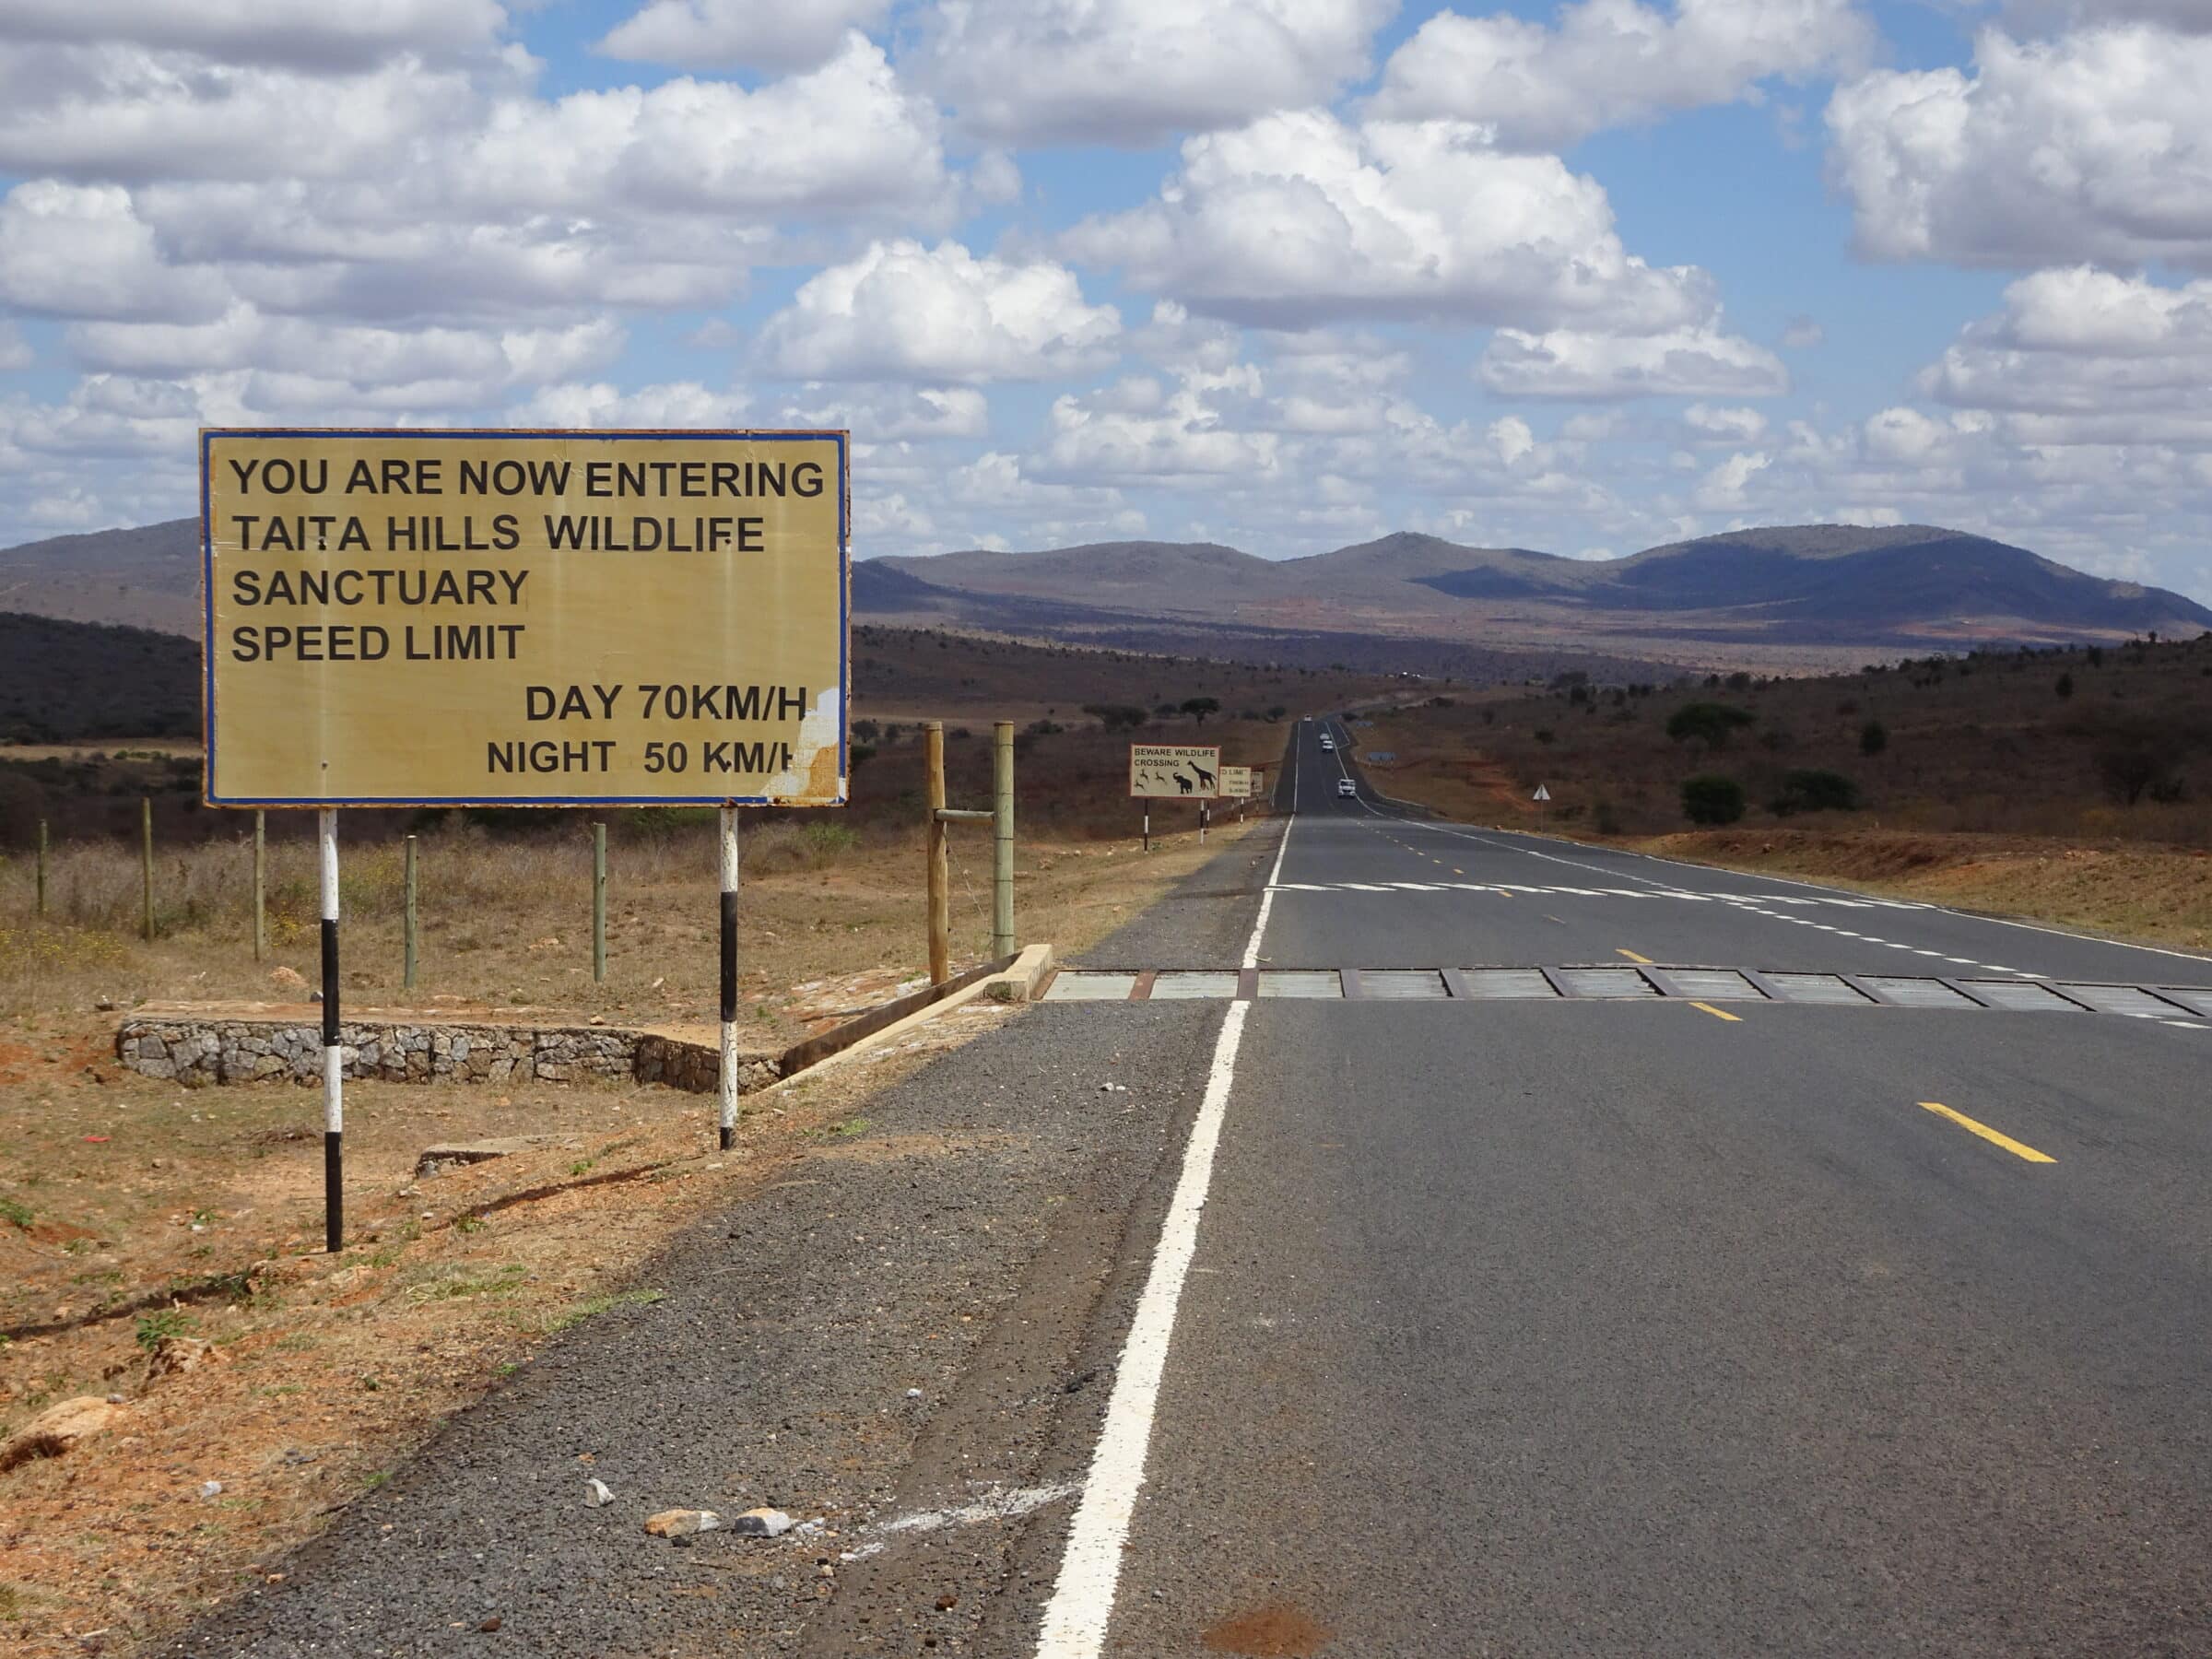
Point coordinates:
[(199, 1049)]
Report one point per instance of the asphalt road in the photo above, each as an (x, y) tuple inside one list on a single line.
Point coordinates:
[(1377, 1328), (1595, 1328)]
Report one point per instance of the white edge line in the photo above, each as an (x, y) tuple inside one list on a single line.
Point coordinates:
[(1082, 1604)]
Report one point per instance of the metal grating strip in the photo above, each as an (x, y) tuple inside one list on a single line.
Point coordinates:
[(2121, 999), (1091, 986), (1914, 993), (1711, 985), (1183, 984), (1309, 983), (1828, 989), (2022, 996), (1507, 984), (1397, 986), (1613, 983)]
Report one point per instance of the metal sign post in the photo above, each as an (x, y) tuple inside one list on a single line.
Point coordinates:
[(726, 1075), (334, 1052)]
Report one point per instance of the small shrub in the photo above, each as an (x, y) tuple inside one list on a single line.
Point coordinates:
[(1874, 737), (16, 1211), (1709, 798), (1707, 722), (1815, 792), (2065, 688), (155, 1328)]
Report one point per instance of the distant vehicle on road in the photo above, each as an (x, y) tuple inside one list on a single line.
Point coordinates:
[(1344, 786), (1328, 743)]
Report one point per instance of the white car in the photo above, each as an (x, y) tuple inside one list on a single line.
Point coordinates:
[(1344, 786), (1329, 744)]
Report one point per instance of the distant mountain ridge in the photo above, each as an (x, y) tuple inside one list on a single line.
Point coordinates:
[(1836, 587)]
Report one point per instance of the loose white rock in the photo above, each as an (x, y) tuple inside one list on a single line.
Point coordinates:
[(762, 1524), (597, 1493)]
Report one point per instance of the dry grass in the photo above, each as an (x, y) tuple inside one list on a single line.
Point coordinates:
[(112, 1185), (2159, 896)]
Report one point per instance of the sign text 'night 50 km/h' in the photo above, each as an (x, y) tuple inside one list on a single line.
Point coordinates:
[(524, 617)]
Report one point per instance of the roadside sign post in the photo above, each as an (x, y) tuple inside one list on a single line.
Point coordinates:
[(334, 1052), (40, 909), (939, 882), (414, 617), (1002, 838), (727, 1071), (1174, 771)]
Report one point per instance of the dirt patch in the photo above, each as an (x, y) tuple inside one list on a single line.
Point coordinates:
[(1278, 1630)]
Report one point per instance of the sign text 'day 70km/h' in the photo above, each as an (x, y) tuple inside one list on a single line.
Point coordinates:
[(524, 617)]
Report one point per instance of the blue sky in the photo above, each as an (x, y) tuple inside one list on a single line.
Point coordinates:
[(1281, 272)]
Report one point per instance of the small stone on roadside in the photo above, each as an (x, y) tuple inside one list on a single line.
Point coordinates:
[(597, 1493), (681, 1523), (762, 1524), (913, 1394), (211, 1489), (489, 1626)]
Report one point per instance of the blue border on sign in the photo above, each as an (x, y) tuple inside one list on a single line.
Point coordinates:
[(844, 609)]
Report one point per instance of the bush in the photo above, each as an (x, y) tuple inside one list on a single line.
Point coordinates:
[(1815, 792), (2065, 687), (1711, 799), (1874, 737), (1709, 723)]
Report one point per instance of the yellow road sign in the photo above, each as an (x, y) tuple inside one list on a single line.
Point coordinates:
[(1174, 771), (524, 617)]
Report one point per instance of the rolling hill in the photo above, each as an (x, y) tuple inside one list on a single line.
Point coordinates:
[(1800, 594)]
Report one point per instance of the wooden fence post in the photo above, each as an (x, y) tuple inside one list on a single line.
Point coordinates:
[(1002, 838), (41, 905), (940, 871), (408, 948), (261, 884), (146, 822), (598, 904)]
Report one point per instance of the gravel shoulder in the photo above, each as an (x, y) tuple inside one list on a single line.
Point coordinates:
[(903, 1332)]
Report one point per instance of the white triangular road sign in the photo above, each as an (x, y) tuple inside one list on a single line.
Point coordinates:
[(1542, 794)]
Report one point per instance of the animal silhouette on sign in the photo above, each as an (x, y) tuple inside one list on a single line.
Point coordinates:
[(1184, 784), (1204, 776)]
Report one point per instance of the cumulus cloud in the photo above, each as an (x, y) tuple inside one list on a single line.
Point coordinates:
[(720, 34), (80, 250), (1613, 62), (1136, 72), (1724, 426), (2090, 146), (1698, 361), (14, 350), (886, 414), (323, 38), (1300, 218), (903, 311), (2083, 356), (600, 403)]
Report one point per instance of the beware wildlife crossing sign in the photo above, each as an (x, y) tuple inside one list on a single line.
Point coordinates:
[(1172, 771), (542, 618)]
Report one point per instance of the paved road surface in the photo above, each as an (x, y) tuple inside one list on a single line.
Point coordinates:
[(1586, 1328), (1376, 1328)]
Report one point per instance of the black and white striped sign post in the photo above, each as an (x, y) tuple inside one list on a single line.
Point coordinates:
[(727, 1072), (334, 1052)]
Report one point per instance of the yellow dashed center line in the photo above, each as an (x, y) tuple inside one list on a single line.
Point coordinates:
[(1623, 950), (1719, 1013), (1994, 1137)]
